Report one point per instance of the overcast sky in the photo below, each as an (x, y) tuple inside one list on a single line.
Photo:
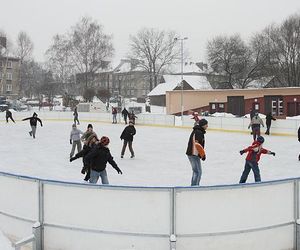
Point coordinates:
[(198, 20)]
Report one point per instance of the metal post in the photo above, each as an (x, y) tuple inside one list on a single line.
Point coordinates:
[(296, 215), (173, 220), (181, 99), (37, 232), (41, 214)]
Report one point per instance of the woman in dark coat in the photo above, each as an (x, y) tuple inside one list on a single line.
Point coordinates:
[(269, 119), (127, 136)]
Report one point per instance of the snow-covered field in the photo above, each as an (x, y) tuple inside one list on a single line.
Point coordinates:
[(160, 155)]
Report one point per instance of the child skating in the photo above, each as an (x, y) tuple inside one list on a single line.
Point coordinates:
[(9, 115), (33, 122)]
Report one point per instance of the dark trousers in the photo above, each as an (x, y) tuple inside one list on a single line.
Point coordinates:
[(129, 145), (125, 119), (10, 118), (248, 166), (268, 129), (255, 132), (76, 120)]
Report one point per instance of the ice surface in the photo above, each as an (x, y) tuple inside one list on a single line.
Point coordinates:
[(160, 155)]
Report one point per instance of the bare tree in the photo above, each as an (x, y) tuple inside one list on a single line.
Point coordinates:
[(24, 47), (154, 50), (88, 94), (228, 55), (90, 48)]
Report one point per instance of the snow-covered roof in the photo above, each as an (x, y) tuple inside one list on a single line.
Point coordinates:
[(259, 83), (189, 67), (126, 66), (172, 81)]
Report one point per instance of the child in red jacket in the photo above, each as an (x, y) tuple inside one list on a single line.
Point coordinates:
[(252, 159)]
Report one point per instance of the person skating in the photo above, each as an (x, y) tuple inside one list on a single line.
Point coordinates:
[(75, 114), (9, 115), (132, 117), (33, 122), (197, 136), (195, 117), (254, 152), (75, 139), (255, 124), (97, 159), (90, 143), (89, 131), (125, 114), (114, 113), (127, 136), (269, 119)]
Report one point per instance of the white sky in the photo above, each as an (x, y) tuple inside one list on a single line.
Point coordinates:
[(199, 20)]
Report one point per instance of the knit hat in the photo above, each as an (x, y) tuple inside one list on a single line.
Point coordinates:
[(260, 139), (104, 140), (90, 126), (34, 114), (202, 122)]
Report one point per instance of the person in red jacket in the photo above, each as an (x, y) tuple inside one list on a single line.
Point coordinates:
[(254, 152)]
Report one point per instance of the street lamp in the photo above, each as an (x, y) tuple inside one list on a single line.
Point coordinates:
[(181, 96)]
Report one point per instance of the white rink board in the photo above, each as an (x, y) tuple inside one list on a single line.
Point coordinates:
[(19, 197), (281, 238), (223, 210), (108, 209), (77, 240)]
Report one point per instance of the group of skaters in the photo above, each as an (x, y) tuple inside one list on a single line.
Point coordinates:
[(95, 152), (125, 114), (196, 153)]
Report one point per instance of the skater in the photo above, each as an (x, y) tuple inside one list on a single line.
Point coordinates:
[(97, 158), (89, 131), (269, 119), (127, 136), (9, 115), (75, 114), (195, 117), (90, 143), (197, 136), (125, 114), (33, 121), (114, 114), (252, 159), (255, 124), (132, 117), (75, 139)]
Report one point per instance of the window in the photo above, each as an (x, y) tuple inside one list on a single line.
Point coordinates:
[(256, 106), (9, 76), (9, 65), (8, 87), (221, 105), (213, 106)]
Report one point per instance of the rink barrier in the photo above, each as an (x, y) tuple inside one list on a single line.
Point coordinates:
[(182, 232), (280, 127)]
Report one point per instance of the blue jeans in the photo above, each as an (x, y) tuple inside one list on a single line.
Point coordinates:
[(248, 166), (94, 176), (197, 171)]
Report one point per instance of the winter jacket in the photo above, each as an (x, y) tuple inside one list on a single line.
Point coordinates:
[(75, 114), (33, 120), (97, 158), (256, 122), (114, 111), (255, 151), (269, 119), (86, 135), (125, 113), (128, 133), (75, 134), (299, 134), (8, 113), (196, 135)]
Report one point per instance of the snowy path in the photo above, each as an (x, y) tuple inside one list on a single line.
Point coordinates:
[(160, 155)]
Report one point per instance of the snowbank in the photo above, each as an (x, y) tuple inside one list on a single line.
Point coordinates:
[(217, 114), (5, 244), (293, 117)]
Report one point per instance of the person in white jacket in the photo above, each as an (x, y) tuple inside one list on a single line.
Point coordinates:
[(75, 139)]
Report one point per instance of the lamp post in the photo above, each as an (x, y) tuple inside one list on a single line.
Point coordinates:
[(181, 84)]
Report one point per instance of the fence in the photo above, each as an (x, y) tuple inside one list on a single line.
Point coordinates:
[(80, 216), (280, 126)]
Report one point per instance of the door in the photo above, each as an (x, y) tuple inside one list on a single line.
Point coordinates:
[(236, 105), (274, 104)]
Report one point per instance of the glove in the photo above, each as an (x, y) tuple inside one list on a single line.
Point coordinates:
[(242, 151), (119, 170), (72, 159), (41, 125), (70, 141), (273, 153), (203, 158), (299, 139)]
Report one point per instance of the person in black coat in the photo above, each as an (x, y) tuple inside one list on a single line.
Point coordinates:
[(33, 122), (97, 159), (197, 135), (132, 117), (75, 114), (125, 114), (127, 136), (9, 115), (87, 147), (269, 119)]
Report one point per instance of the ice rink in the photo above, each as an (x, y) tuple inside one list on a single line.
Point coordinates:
[(160, 155)]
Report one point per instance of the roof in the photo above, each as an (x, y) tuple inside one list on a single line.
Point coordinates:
[(190, 67), (259, 83), (127, 66), (172, 81)]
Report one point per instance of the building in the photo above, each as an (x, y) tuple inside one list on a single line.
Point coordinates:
[(9, 77), (281, 102), (173, 82)]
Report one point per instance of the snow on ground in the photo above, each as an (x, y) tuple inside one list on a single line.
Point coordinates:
[(5, 244), (160, 155), (217, 114)]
